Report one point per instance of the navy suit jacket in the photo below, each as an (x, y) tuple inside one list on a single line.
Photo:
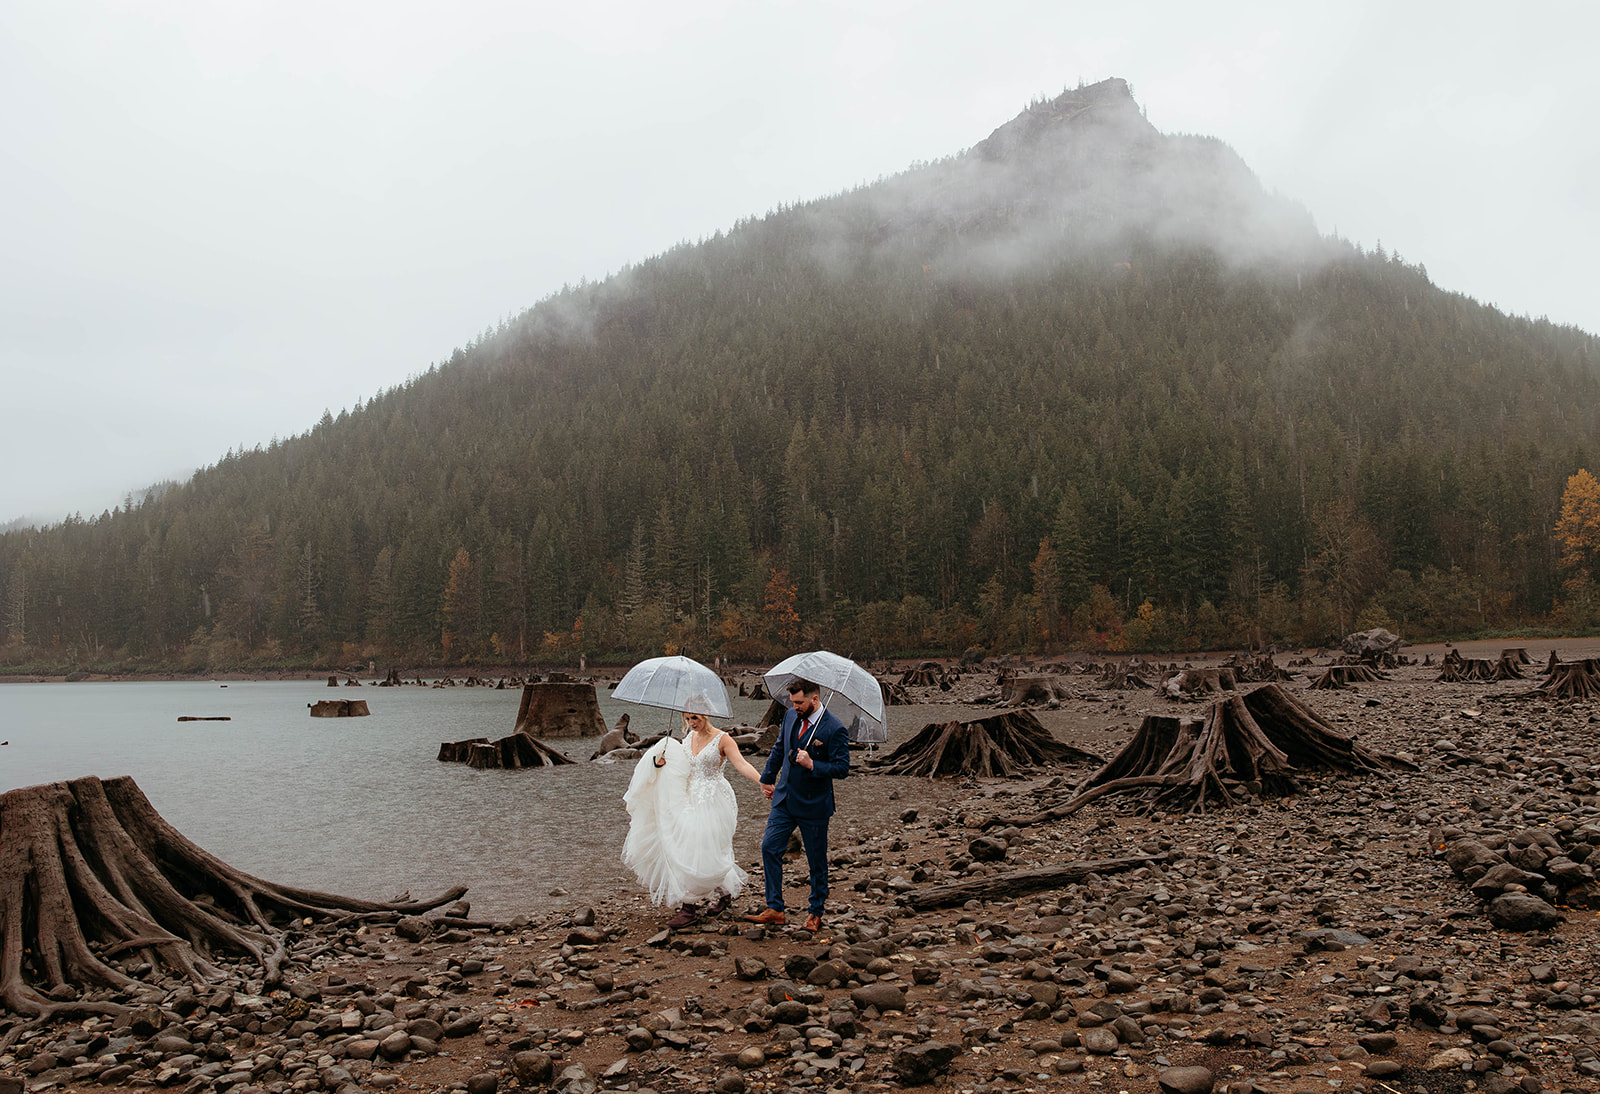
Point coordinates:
[(808, 794)]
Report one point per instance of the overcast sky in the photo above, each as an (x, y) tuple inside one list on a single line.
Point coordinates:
[(219, 218)]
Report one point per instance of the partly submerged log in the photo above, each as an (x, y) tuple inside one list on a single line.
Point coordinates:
[(1245, 747), (1018, 882), (1001, 744), (93, 879)]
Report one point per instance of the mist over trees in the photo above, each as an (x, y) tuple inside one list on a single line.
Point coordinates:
[(1084, 385)]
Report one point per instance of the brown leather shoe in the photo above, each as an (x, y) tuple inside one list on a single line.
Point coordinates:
[(769, 917), (687, 915), (813, 923)]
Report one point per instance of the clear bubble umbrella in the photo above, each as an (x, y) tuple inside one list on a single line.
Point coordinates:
[(675, 683), (851, 693)]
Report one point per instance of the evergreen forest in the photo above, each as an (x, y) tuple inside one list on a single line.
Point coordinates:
[(1082, 386)]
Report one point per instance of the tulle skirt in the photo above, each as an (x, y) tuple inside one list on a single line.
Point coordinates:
[(680, 838)]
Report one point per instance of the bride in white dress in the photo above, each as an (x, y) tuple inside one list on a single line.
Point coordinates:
[(682, 814)]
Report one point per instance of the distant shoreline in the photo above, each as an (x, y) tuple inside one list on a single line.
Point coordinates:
[(1569, 648)]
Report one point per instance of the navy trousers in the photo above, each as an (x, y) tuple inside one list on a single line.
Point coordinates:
[(814, 833)]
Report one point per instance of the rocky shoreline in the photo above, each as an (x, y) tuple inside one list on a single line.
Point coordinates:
[(1331, 940)]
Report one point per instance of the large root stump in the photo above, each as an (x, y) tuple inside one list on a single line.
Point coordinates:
[(92, 877), (999, 745), (1246, 746)]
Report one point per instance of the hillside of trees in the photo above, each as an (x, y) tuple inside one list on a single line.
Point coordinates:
[(1083, 386)]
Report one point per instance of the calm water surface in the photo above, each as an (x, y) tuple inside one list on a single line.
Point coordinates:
[(358, 806)]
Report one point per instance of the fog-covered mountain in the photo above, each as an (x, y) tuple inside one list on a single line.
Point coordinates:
[(1084, 382)]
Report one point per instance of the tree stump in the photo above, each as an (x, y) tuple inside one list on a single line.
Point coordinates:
[(1571, 680), (929, 674), (516, 751), (339, 708), (455, 752), (1245, 746), (1033, 689), (1121, 679), (1508, 667), (560, 709), (89, 871), (1192, 685), (1342, 676), (1002, 744)]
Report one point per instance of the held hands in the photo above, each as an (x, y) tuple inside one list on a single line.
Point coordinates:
[(767, 789)]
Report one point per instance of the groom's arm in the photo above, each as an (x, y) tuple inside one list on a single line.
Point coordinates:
[(769, 775), (835, 763)]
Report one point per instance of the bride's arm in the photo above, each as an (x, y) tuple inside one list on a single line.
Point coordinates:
[(731, 753)]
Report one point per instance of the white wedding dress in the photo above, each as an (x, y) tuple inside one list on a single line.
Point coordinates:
[(680, 826)]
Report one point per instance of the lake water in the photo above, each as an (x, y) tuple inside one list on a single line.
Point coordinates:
[(357, 806)]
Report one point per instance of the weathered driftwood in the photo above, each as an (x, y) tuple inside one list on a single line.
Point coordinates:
[(339, 708), (560, 709), (1245, 746), (1017, 882), (619, 737), (92, 878), (1001, 744)]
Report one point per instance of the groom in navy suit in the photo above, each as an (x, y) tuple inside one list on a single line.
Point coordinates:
[(812, 750)]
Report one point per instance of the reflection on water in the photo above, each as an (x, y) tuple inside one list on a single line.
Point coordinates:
[(356, 806)]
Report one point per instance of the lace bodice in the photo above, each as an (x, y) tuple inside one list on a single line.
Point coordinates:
[(705, 770)]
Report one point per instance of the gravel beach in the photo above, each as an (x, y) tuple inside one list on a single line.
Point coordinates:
[(1369, 933)]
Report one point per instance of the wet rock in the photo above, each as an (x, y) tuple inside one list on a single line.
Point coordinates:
[(987, 849), (1522, 912), (1186, 1080), (413, 928), (916, 1065), (531, 1068), (1099, 1041), (883, 996), (1451, 1059), (749, 968), (576, 1080)]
